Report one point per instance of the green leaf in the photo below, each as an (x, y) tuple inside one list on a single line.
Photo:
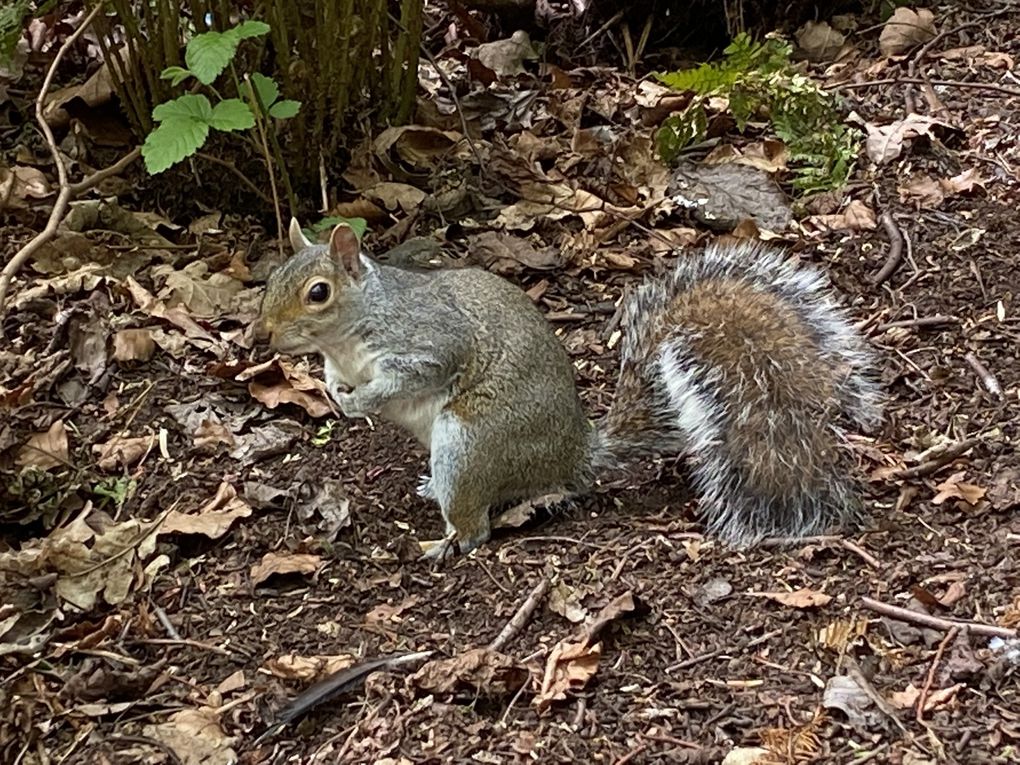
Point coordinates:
[(208, 54), (232, 114), (176, 75), (359, 225), (189, 106), (174, 139), (284, 109), (247, 29), (268, 91)]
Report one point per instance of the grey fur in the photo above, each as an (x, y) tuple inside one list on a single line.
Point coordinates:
[(693, 412)]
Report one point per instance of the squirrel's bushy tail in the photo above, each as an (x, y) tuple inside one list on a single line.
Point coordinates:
[(745, 363)]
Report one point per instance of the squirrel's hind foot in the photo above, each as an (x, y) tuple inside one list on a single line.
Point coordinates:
[(425, 488)]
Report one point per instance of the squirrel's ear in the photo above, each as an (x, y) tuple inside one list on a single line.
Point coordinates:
[(298, 240), (345, 249)]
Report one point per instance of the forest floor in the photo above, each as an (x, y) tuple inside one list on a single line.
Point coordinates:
[(286, 540)]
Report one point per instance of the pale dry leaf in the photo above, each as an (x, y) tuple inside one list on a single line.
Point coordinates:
[(842, 692), (387, 612), (747, 755), (213, 519), (885, 142), (963, 183), (954, 592), (857, 216), (20, 184), (819, 41), (122, 451), (571, 664), (955, 487), (45, 450), (506, 57), (205, 295), (802, 598), (294, 667), (233, 682), (196, 736), (565, 601), (284, 563), (905, 29), (924, 190), (478, 671), (133, 345), (394, 196)]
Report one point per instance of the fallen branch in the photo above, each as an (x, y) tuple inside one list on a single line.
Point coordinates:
[(940, 460), (986, 377), (935, 622), (895, 250), (918, 323), (67, 189), (919, 81), (949, 638), (516, 624)]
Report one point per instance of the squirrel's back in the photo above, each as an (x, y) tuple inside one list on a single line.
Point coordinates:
[(744, 362)]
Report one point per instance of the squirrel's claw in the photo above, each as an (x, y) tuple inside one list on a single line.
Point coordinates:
[(425, 490)]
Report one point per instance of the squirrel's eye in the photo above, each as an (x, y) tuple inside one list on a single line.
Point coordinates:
[(318, 292)]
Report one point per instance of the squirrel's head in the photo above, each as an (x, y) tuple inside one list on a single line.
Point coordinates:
[(311, 295)]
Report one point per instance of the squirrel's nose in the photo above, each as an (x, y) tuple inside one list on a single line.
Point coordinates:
[(264, 331)]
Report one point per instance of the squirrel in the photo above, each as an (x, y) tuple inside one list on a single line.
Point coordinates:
[(739, 359)]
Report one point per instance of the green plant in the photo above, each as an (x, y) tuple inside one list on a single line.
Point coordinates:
[(324, 433), (359, 225), (184, 122), (12, 20), (117, 490), (759, 82)]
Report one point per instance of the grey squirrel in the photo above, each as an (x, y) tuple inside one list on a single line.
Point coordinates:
[(739, 360)]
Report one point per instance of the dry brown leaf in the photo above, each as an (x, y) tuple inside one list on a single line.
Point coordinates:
[(478, 671), (386, 612), (233, 682), (122, 451), (803, 598), (506, 57), (909, 698), (963, 183), (747, 755), (819, 41), (204, 295), (857, 216), (133, 345), (507, 254), (213, 519), (19, 184), (45, 450), (954, 592), (955, 488), (293, 667), (196, 737), (924, 190), (885, 142), (565, 601), (284, 563), (570, 666), (395, 197), (905, 29), (278, 382)]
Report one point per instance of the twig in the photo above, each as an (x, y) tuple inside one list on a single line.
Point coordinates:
[(919, 81), (171, 630), (867, 557), (771, 542), (64, 196), (949, 638), (146, 741), (269, 163), (919, 322), (632, 754), (940, 460), (99, 176), (895, 250), (516, 624), (853, 671), (986, 377), (935, 622)]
